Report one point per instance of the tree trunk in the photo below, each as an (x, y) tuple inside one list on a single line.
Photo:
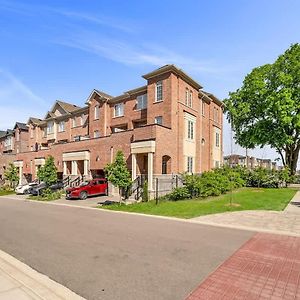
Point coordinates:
[(291, 158)]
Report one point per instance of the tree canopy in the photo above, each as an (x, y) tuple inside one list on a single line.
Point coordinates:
[(48, 172), (11, 174), (117, 172), (266, 109)]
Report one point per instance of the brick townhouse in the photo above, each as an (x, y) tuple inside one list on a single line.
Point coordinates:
[(250, 162), (168, 126)]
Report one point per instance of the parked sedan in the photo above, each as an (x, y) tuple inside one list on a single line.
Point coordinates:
[(38, 190), (88, 188), (25, 188)]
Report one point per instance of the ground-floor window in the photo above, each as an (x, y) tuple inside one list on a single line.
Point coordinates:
[(166, 164), (190, 163)]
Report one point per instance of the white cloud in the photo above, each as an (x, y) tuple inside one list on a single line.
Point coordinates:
[(17, 101), (126, 53)]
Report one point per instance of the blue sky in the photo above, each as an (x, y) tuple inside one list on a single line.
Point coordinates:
[(63, 49)]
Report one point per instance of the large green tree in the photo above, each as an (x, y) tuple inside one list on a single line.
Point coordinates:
[(48, 172), (266, 109), (11, 174), (117, 172)]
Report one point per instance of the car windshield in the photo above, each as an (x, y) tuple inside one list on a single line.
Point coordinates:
[(84, 183)]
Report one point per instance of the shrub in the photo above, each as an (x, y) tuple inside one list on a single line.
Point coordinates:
[(145, 196), (179, 193)]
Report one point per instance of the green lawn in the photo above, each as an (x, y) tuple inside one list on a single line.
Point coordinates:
[(243, 199), (4, 192)]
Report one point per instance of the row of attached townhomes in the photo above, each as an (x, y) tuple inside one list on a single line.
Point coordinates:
[(168, 126), (250, 162)]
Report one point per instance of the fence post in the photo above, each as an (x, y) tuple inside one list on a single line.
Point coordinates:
[(156, 191)]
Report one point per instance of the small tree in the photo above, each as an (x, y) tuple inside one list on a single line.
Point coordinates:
[(118, 174), (11, 174), (48, 172)]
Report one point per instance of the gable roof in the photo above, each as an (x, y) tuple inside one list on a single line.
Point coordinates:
[(35, 121), (2, 133), (176, 70), (22, 126), (68, 108), (101, 94)]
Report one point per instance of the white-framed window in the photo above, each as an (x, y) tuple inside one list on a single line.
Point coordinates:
[(17, 135), (158, 120), (119, 110), (216, 114), (61, 126), (45, 131), (191, 99), (81, 120), (203, 108), (96, 133), (217, 139), (190, 131), (50, 127), (96, 112), (141, 102), (190, 164), (217, 164), (187, 95), (74, 122), (159, 91)]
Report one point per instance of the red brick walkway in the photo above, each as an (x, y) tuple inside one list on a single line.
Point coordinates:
[(265, 267)]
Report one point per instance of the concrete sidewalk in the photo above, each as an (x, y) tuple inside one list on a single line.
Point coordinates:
[(19, 281), (280, 222)]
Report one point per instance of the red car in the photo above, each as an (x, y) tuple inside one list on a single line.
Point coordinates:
[(88, 188)]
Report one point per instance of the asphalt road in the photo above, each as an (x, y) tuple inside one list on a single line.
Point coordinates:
[(105, 255)]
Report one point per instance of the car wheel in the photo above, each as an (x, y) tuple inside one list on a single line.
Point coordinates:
[(83, 195), (26, 192)]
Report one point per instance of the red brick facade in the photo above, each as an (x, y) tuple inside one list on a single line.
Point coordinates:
[(184, 141)]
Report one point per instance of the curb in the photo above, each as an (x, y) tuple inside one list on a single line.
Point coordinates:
[(39, 284)]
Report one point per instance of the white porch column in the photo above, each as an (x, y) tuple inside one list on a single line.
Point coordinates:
[(74, 167), (133, 163), (64, 168), (20, 174), (85, 167), (150, 171)]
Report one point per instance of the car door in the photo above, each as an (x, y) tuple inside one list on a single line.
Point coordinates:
[(102, 186), (94, 187)]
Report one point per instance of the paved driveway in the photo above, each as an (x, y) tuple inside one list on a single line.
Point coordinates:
[(107, 255), (283, 222)]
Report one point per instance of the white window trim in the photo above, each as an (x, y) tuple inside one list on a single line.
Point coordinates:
[(96, 112), (143, 99), (121, 111), (156, 120), (157, 84), (61, 128)]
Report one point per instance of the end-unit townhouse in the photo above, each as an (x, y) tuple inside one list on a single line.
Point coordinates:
[(168, 126)]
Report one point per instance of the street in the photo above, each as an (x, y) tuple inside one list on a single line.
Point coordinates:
[(105, 255)]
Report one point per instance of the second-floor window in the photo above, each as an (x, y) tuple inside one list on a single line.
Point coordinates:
[(96, 133), (216, 114), (190, 99), (45, 131), (203, 108), (190, 131), (82, 119), (74, 122), (61, 126), (96, 112), (158, 120), (31, 132), (187, 94), (159, 91), (141, 102), (50, 127), (119, 110), (17, 135), (217, 139)]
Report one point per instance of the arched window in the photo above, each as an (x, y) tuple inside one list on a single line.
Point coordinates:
[(166, 164)]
